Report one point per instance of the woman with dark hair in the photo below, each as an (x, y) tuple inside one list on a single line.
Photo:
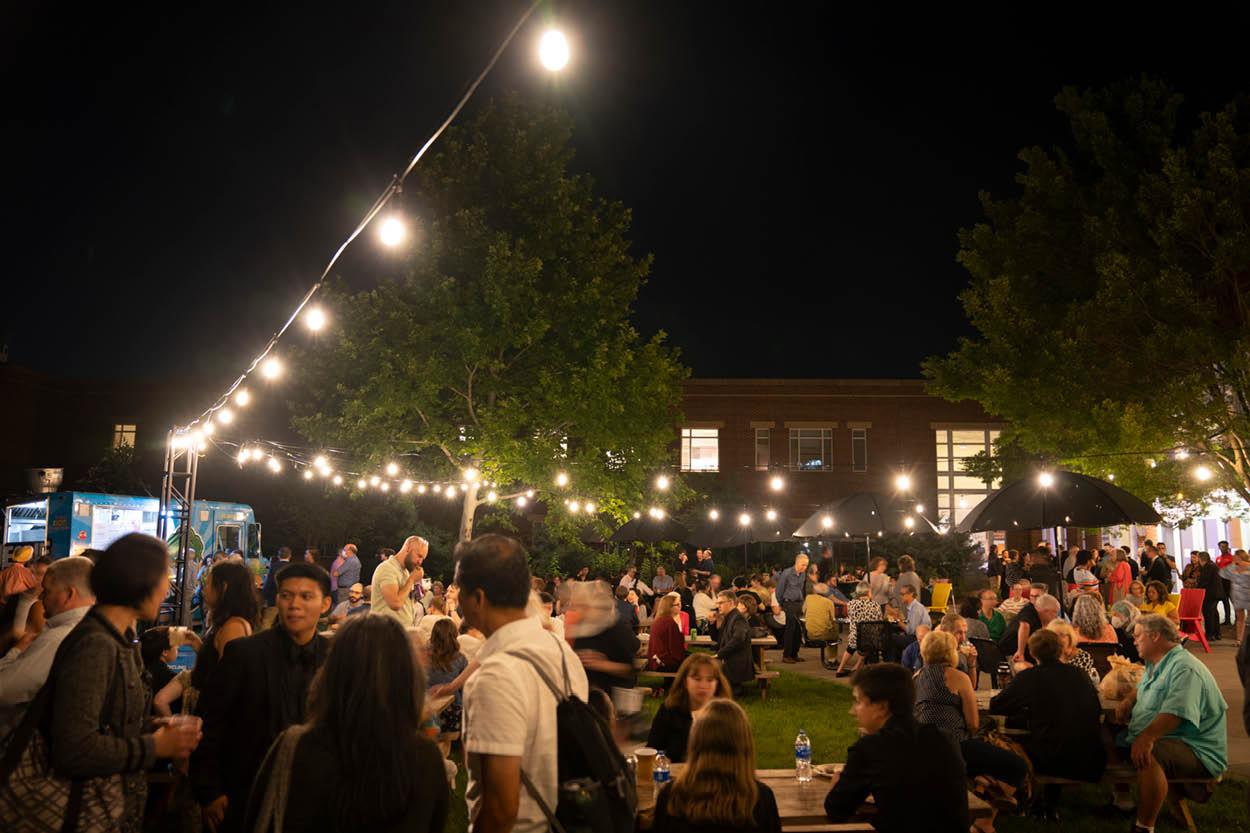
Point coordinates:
[(233, 610), (1158, 601), (699, 680), (718, 790), (94, 721), (749, 607), (362, 762), (446, 665)]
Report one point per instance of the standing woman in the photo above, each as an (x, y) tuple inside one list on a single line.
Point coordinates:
[(717, 790), (1120, 575), (95, 719), (230, 598), (879, 582), (362, 761)]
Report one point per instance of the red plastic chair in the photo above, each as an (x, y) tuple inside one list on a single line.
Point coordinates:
[(1191, 615)]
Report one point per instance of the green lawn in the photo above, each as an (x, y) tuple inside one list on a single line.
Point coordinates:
[(823, 710)]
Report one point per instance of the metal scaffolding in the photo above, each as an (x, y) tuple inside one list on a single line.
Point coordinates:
[(182, 460)]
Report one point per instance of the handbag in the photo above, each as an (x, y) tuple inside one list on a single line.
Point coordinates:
[(272, 813), (35, 799)]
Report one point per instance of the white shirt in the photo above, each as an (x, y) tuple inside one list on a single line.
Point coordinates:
[(703, 605), (427, 622), (469, 646), (510, 711), (23, 673)]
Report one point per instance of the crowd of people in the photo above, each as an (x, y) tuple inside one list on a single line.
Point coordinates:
[(329, 699)]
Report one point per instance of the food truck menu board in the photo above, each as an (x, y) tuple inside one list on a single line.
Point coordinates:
[(108, 523)]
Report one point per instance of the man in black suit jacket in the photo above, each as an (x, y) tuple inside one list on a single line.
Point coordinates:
[(733, 642), (260, 688), (913, 772)]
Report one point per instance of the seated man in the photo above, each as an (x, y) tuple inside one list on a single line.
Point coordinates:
[(820, 615), (1015, 602), (913, 615), (956, 626), (1031, 619), (1178, 726), (914, 774)]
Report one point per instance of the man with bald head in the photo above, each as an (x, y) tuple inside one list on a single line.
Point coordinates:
[(395, 578)]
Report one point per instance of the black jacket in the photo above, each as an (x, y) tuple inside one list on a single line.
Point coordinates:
[(1210, 581), (670, 731), (914, 774), (733, 648), (1064, 719), (242, 717)]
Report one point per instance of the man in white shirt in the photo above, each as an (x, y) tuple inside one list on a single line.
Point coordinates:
[(509, 722), (66, 598), (394, 579)]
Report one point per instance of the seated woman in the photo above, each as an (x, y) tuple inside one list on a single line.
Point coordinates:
[(912, 771), (717, 790), (749, 607), (1063, 715), (1071, 653), (1090, 621), (666, 647), (698, 681), (1123, 616), (702, 603), (1158, 601), (861, 609), (946, 701), (1136, 593), (970, 609)]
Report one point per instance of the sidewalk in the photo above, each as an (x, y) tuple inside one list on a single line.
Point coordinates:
[(1221, 662)]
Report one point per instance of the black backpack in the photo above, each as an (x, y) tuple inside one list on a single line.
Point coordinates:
[(597, 790)]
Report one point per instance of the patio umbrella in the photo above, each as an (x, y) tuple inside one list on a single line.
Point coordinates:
[(861, 514), (730, 533), (649, 530), (1070, 499)]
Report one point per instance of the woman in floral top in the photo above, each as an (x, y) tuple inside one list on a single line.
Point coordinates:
[(860, 609), (1073, 655)]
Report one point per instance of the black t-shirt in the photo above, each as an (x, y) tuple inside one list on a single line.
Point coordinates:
[(619, 644), (1160, 571), (1009, 644)]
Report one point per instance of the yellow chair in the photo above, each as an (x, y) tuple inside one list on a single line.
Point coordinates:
[(1176, 599), (941, 597)]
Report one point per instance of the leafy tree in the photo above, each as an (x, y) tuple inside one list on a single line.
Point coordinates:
[(1110, 296), (506, 346), (115, 474)]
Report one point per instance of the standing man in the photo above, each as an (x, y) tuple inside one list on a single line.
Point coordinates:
[(509, 725), (789, 591), (1222, 560), (346, 572), (262, 688), (827, 572), (395, 578)]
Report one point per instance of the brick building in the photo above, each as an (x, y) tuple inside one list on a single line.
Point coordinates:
[(827, 438)]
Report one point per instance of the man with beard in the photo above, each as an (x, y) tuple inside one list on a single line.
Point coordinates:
[(395, 578)]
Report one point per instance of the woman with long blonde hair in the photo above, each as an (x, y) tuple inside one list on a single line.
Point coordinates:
[(717, 790)]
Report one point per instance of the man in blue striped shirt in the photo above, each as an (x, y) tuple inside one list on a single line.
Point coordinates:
[(790, 584)]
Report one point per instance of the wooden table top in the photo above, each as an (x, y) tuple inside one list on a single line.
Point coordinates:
[(708, 642), (797, 803)]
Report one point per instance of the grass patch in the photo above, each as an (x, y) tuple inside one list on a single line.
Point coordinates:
[(823, 710)]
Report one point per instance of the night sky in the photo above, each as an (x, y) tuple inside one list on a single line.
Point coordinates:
[(176, 179)]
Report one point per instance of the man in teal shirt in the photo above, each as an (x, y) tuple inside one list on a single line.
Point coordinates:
[(1178, 727)]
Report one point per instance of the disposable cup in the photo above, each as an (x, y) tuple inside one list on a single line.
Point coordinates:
[(646, 763)]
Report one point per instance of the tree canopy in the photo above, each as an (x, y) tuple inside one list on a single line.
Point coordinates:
[(505, 345), (1110, 297)]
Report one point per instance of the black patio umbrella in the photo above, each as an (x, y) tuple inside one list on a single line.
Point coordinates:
[(862, 514), (727, 532), (649, 530), (1055, 499)]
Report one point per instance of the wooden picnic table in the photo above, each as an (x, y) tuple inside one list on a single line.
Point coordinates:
[(709, 642), (797, 804)]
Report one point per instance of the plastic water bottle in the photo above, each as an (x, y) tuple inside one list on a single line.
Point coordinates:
[(802, 758), (660, 771)]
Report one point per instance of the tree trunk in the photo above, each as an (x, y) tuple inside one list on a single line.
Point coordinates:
[(467, 510)]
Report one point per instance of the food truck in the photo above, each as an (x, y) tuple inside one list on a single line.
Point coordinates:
[(66, 523)]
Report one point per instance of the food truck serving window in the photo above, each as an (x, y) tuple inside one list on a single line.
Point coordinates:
[(27, 523), (227, 537)]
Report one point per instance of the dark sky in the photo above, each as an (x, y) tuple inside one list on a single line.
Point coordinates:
[(175, 179)]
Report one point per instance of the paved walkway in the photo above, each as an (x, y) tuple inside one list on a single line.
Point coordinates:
[(1220, 661)]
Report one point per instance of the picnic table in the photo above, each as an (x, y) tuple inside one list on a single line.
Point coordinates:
[(797, 804), (708, 642)]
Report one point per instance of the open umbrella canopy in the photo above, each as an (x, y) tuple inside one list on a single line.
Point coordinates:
[(858, 514), (1068, 499), (649, 530), (727, 532)]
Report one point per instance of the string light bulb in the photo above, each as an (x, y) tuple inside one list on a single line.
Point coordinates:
[(1181, 454), (392, 469), (662, 483), (902, 482), (827, 522), (909, 522), (521, 501), (274, 465), (492, 496), (590, 506), (271, 368), (529, 493), (320, 461), (308, 474), (919, 508), (315, 319), (258, 453), (637, 515), (1202, 474), (375, 480), (421, 488), (337, 480), (574, 506), (209, 428), (386, 487), (406, 486), (242, 397), (225, 416), (469, 474), (714, 514), (392, 231), (360, 484), (771, 514), (243, 456), (553, 50), (451, 492), (562, 479), (776, 483), (1046, 480), (744, 519)]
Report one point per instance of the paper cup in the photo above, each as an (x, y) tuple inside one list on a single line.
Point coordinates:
[(646, 763)]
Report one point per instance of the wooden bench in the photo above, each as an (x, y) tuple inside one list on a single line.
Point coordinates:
[(1121, 775)]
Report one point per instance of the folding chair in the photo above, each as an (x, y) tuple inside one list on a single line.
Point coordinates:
[(871, 640), (1191, 618)]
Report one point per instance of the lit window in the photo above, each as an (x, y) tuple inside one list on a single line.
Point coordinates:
[(859, 449), (811, 449), (700, 449), (123, 435), (957, 492), (762, 438)]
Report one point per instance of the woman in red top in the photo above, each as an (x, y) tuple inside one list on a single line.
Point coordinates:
[(666, 646), (1120, 577)]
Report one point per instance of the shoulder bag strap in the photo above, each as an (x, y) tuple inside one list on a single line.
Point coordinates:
[(538, 799)]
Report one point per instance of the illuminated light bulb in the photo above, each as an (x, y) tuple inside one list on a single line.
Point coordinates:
[(274, 465), (637, 515), (826, 522), (392, 469), (470, 474), (375, 480), (1203, 473), (438, 489), (271, 368), (879, 533), (243, 455), (776, 483), (553, 50), (1180, 495), (771, 514), (919, 508), (451, 493), (909, 522), (1046, 480), (492, 496), (1181, 454), (406, 486), (421, 488), (308, 474), (574, 506), (225, 416), (1111, 477), (325, 472), (590, 507), (209, 428), (714, 514), (902, 482), (315, 319), (320, 461), (386, 487), (744, 519), (360, 484), (242, 397), (562, 480), (464, 487), (521, 501), (258, 453), (658, 513), (337, 480), (529, 493), (392, 231), (1152, 463), (661, 483)]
